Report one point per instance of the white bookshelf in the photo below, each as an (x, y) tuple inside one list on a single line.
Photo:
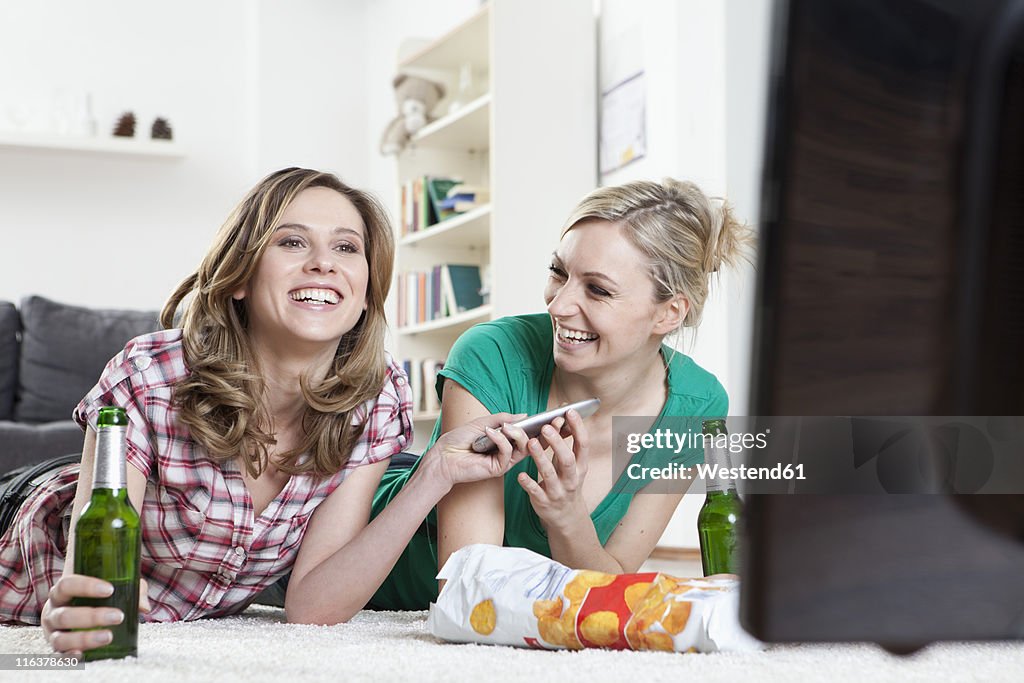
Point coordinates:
[(167, 149), (470, 228), (528, 132)]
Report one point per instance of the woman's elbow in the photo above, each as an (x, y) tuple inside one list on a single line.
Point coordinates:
[(317, 615), (304, 607)]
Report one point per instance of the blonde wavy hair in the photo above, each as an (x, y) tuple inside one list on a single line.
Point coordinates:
[(221, 401), (685, 236)]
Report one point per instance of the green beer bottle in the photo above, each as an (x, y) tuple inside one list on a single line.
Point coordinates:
[(719, 517), (107, 539)]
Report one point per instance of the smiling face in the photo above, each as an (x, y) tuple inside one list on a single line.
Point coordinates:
[(601, 301), (310, 284)]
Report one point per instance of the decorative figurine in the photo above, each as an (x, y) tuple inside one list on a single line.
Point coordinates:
[(125, 127), (161, 130)]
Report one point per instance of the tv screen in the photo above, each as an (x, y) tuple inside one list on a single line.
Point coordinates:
[(891, 283)]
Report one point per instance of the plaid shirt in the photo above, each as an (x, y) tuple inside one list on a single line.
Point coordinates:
[(203, 552)]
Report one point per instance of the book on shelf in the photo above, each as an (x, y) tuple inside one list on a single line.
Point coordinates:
[(416, 385), (422, 374), (409, 365), (442, 291), (431, 403), (421, 296), (411, 207), (461, 198), (461, 287), (420, 202), (437, 190)]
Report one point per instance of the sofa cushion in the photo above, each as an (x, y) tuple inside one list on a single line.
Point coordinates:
[(22, 444), (10, 326), (63, 351)]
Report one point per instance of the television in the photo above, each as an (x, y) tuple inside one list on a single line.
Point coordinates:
[(890, 283)]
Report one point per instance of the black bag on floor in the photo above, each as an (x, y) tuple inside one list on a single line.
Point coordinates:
[(17, 485)]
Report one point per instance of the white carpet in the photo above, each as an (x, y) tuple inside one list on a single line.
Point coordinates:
[(380, 646)]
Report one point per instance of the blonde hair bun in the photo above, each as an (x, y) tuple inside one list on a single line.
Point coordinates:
[(685, 235)]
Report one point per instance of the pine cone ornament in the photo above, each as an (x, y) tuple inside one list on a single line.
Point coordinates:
[(161, 130), (125, 127)]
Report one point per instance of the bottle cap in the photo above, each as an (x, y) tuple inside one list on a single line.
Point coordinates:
[(112, 416), (714, 426)]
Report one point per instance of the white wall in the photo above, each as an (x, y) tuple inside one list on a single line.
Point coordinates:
[(311, 106), (249, 87), (748, 35), (705, 67), (94, 229)]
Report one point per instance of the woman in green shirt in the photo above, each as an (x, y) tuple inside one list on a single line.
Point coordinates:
[(632, 267)]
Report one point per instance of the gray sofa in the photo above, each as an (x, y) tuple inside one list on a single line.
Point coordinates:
[(51, 355)]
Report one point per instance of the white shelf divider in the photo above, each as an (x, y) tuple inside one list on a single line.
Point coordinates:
[(471, 229), (468, 128), (466, 43), (168, 149), (471, 316)]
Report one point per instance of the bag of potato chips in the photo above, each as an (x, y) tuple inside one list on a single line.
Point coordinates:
[(513, 596)]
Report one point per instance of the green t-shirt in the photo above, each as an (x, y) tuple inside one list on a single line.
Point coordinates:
[(507, 364)]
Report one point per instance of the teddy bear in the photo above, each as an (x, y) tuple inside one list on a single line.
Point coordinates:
[(416, 97)]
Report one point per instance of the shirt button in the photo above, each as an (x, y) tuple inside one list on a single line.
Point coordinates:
[(240, 551), (400, 381), (141, 362)]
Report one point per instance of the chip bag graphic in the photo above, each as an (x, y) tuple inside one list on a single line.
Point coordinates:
[(513, 596)]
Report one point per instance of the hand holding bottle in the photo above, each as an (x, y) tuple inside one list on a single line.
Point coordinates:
[(103, 592), (64, 624)]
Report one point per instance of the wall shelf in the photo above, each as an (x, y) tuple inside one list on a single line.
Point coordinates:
[(471, 229), (478, 314), (466, 43), (49, 142), (466, 129)]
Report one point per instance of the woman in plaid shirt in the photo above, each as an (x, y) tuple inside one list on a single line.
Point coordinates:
[(258, 431)]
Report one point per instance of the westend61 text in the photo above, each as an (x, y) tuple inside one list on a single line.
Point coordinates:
[(779, 472)]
